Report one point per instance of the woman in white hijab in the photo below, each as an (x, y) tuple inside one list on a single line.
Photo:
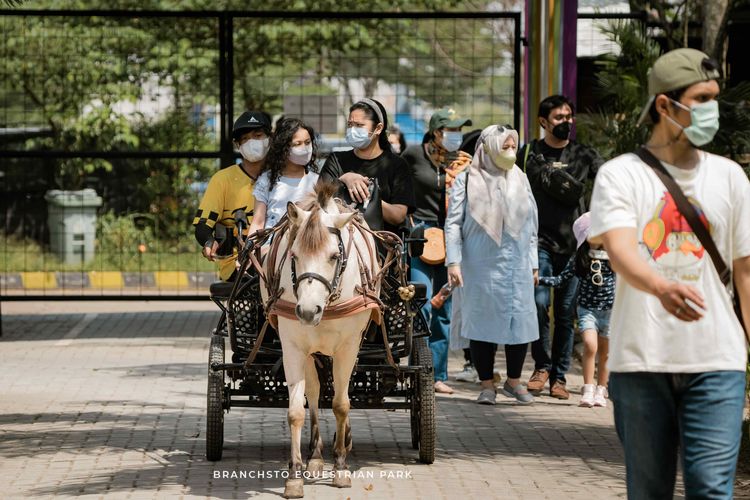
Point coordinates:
[(491, 253)]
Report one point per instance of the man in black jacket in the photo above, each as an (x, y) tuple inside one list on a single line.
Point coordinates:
[(558, 169)]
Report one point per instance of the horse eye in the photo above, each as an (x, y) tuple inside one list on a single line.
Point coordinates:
[(334, 256)]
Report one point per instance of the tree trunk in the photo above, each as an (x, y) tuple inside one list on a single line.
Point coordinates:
[(715, 15)]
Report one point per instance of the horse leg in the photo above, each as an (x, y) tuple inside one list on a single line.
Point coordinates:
[(343, 364), (312, 392), (294, 369)]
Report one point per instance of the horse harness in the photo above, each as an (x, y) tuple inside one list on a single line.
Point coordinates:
[(332, 286), (366, 297)]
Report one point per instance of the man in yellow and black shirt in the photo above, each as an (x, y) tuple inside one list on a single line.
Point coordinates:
[(231, 190)]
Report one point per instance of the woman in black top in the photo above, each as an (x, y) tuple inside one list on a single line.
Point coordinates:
[(371, 157), (435, 164)]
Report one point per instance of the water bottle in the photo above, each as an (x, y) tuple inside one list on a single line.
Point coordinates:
[(439, 299)]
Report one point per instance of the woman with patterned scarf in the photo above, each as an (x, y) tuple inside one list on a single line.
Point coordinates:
[(435, 164)]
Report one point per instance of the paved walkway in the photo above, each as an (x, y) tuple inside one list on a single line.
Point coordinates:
[(99, 400)]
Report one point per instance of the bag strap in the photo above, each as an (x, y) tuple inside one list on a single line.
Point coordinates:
[(526, 154), (688, 211)]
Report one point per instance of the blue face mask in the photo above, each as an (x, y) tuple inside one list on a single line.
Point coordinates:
[(358, 137), (704, 122), (452, 141)]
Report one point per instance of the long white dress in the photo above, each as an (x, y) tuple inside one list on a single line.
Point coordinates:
[(496, 303)]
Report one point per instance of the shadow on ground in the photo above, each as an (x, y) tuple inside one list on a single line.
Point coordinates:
[(126, 325), (170, 439)]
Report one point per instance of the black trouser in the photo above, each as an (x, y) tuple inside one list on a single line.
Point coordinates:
[(483, 356), (467, 355)]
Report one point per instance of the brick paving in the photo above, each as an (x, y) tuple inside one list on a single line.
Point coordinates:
[(108, 400)]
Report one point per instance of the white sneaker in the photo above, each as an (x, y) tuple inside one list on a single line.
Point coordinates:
[(468, 374), (600, 396), (587, 399)]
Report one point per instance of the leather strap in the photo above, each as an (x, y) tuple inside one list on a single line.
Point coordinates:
[(356, 304)]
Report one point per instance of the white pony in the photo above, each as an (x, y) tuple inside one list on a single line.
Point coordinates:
[(320, 265)]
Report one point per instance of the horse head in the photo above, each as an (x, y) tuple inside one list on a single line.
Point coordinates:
[(318, 258)]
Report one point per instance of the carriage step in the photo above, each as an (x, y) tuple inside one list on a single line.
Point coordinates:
[(360, 368), (215, 367)]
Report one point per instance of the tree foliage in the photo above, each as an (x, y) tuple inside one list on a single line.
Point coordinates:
[(622, 85), (682, 20)]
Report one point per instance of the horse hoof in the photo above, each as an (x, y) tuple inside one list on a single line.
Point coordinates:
[(315, 466), (342, 479), (293, 488)]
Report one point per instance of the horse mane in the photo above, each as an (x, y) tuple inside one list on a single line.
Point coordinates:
[(323, 193), (313, 235)]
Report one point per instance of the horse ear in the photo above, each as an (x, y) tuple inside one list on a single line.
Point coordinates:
[(342, 220), (296, 215)]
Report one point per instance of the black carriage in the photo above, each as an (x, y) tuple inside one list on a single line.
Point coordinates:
[(405, 384)]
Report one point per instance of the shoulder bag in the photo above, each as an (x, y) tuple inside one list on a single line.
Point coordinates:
[(556, 182), (372, 209)]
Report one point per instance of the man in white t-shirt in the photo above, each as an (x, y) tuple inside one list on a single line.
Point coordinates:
[(678, 353)]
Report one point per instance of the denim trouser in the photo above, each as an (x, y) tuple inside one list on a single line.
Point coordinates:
[(551, 264), (698, 413), (435, 276)]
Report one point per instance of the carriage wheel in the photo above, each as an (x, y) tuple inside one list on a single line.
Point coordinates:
[(414, 413), (423, 426), (215, 401)]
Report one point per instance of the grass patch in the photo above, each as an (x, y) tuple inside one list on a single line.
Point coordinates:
[(27, 255)]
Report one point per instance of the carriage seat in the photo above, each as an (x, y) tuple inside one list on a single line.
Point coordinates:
[(221, 289)]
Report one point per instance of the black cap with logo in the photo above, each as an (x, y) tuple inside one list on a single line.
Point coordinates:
[(250, 120)]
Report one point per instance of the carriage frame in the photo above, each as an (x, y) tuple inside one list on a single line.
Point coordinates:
[(375, 383)]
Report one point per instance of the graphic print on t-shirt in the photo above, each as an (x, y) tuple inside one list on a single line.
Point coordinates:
[(674, 247)]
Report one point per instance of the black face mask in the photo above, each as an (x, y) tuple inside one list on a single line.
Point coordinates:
[(562, 131)]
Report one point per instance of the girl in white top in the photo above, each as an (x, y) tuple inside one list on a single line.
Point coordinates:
[(289, 175)]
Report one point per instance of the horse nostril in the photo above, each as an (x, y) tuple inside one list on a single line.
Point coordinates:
[(298, 310), (318, 310)]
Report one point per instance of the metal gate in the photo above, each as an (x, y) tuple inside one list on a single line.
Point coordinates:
[(138, 106)]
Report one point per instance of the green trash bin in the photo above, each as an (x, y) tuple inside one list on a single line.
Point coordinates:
[(71, 216)]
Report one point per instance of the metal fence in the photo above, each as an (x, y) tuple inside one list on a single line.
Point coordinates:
[(138, 106)]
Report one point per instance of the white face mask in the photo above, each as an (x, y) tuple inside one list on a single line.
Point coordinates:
[(396, 148), (358, 137), (301, 155), (254, 149), (704, 122), (452, 141), (504, 159)]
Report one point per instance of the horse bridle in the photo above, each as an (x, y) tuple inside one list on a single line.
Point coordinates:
[(332, 286)]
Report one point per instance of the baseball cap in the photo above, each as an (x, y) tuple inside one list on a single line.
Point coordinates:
[(678, 69), (447, 118), (250, 120), (581, 228)]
